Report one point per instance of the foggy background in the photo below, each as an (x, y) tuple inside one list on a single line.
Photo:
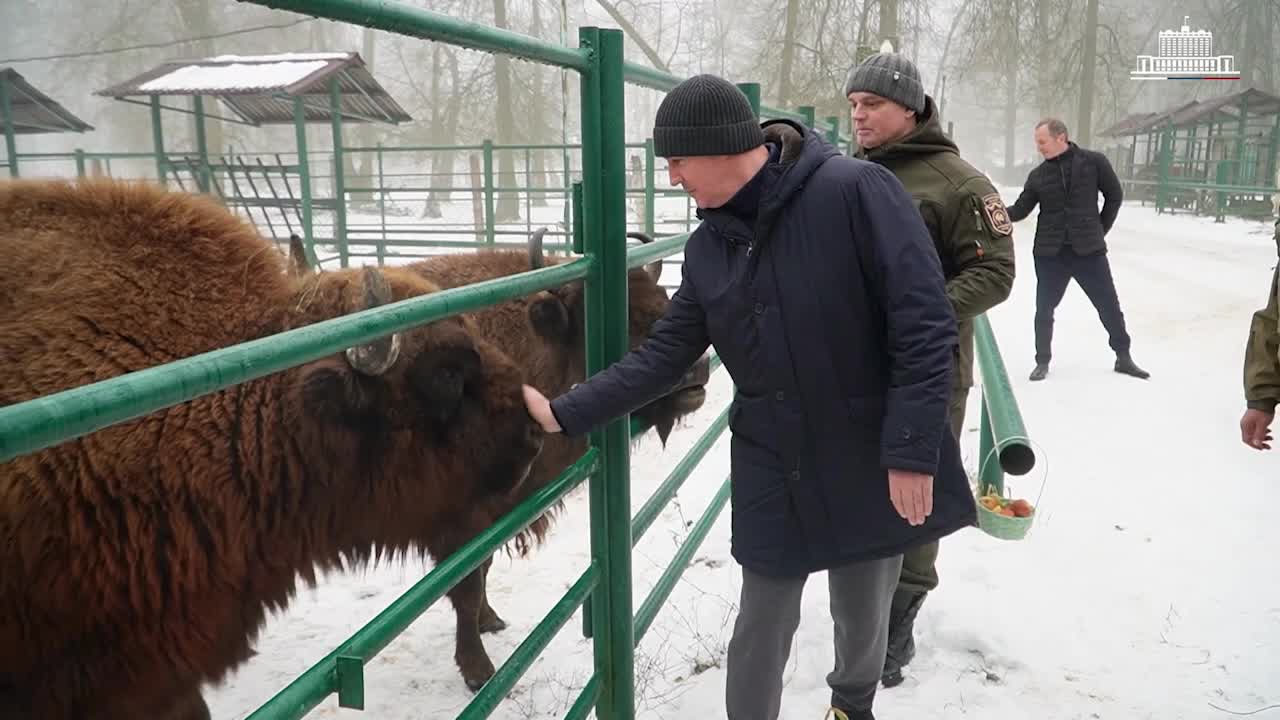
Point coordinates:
[(995, 66)]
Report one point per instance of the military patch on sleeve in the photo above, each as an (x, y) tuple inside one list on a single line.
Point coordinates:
[(997, 215)]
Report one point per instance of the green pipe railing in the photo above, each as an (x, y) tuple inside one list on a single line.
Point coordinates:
[(1002, 434), (6, 113), (327, 676), (667, 582), (42, 422)]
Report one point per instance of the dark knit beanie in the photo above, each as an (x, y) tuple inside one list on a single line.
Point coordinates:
[(890, 76), (705, 115)]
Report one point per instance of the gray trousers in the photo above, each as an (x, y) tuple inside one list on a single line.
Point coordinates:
[(768, 615)]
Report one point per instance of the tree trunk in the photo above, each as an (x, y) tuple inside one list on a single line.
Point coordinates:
[(631, 32), (198, 20), (788, 53), (1011, 90), (444, 129), (508, 203), (938, 81), (537, 121), (889, 23), (362, 166), (1089, 62), (1044, 66), (1251, 65)]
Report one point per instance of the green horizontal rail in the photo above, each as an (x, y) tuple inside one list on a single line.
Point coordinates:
[(662, 589), (42, 422), (321, 680), (1009, 433), (415, 22), (658, 501), (638, 255), (586, 701), (87, 155), (523, 657), (658, 80)]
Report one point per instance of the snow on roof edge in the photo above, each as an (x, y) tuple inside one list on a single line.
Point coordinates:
[(281, 57), (236, 76)]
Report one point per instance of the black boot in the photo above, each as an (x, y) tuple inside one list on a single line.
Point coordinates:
[(902, 643), (1126, 366), (1040, 372)]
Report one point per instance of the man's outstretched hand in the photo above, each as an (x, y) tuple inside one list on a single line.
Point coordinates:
[(540, 409)]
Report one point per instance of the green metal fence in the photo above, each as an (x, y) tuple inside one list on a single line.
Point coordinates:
[(604, 588)]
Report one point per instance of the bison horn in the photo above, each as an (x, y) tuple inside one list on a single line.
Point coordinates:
[(535, 248), (298, 255), (654, 268), (378, 356)]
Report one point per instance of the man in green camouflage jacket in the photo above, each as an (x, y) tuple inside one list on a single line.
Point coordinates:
[(1262, 367), (897, 126)]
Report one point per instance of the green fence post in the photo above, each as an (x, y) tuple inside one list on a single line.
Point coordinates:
[(202, 145), (810, 115), (382, 206), (649, 183), (604, 207), (157, 138), (488, 192), (528, 192), (833, 134), (990, 474), (79, 163), (339, 181), (752, 91), (1165, 155), (1220, 206), (10, 141), (304, 179)]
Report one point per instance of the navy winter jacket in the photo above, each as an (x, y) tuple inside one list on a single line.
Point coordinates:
[(829, 310)]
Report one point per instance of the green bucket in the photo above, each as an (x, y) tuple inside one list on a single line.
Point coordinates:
[(1003, 527)]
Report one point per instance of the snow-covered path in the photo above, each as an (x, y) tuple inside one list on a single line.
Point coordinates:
[(1147, 589)]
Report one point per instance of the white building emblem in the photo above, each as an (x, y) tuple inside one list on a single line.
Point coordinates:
[(1186, 54)]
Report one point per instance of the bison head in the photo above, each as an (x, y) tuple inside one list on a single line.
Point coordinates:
[(558, 317), (434, 402)]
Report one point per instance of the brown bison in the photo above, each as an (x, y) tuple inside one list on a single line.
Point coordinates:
[(137, 562), (544, 335)]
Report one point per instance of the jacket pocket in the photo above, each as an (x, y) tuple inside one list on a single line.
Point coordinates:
[(751, 418)]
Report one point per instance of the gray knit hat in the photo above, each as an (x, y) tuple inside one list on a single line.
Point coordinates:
[(705, 115), (890, 76)]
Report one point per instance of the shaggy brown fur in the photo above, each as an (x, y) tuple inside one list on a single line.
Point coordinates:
[(137, 562)]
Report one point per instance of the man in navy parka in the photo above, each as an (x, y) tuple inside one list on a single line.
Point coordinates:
[(814, 277)]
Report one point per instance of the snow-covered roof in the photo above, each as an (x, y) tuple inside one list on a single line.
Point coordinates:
[(33, 112), (260, 88), (233, 77)]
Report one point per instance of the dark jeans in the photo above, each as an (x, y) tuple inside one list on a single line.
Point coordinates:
[(1093, 273)]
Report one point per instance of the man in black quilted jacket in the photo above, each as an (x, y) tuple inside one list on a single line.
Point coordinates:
[(1069, 240)]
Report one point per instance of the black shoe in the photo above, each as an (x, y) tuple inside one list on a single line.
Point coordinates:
[(1040, 372), (1126, 366), (902, 644)]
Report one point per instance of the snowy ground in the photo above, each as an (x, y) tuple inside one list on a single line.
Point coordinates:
[(1142, 591)]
